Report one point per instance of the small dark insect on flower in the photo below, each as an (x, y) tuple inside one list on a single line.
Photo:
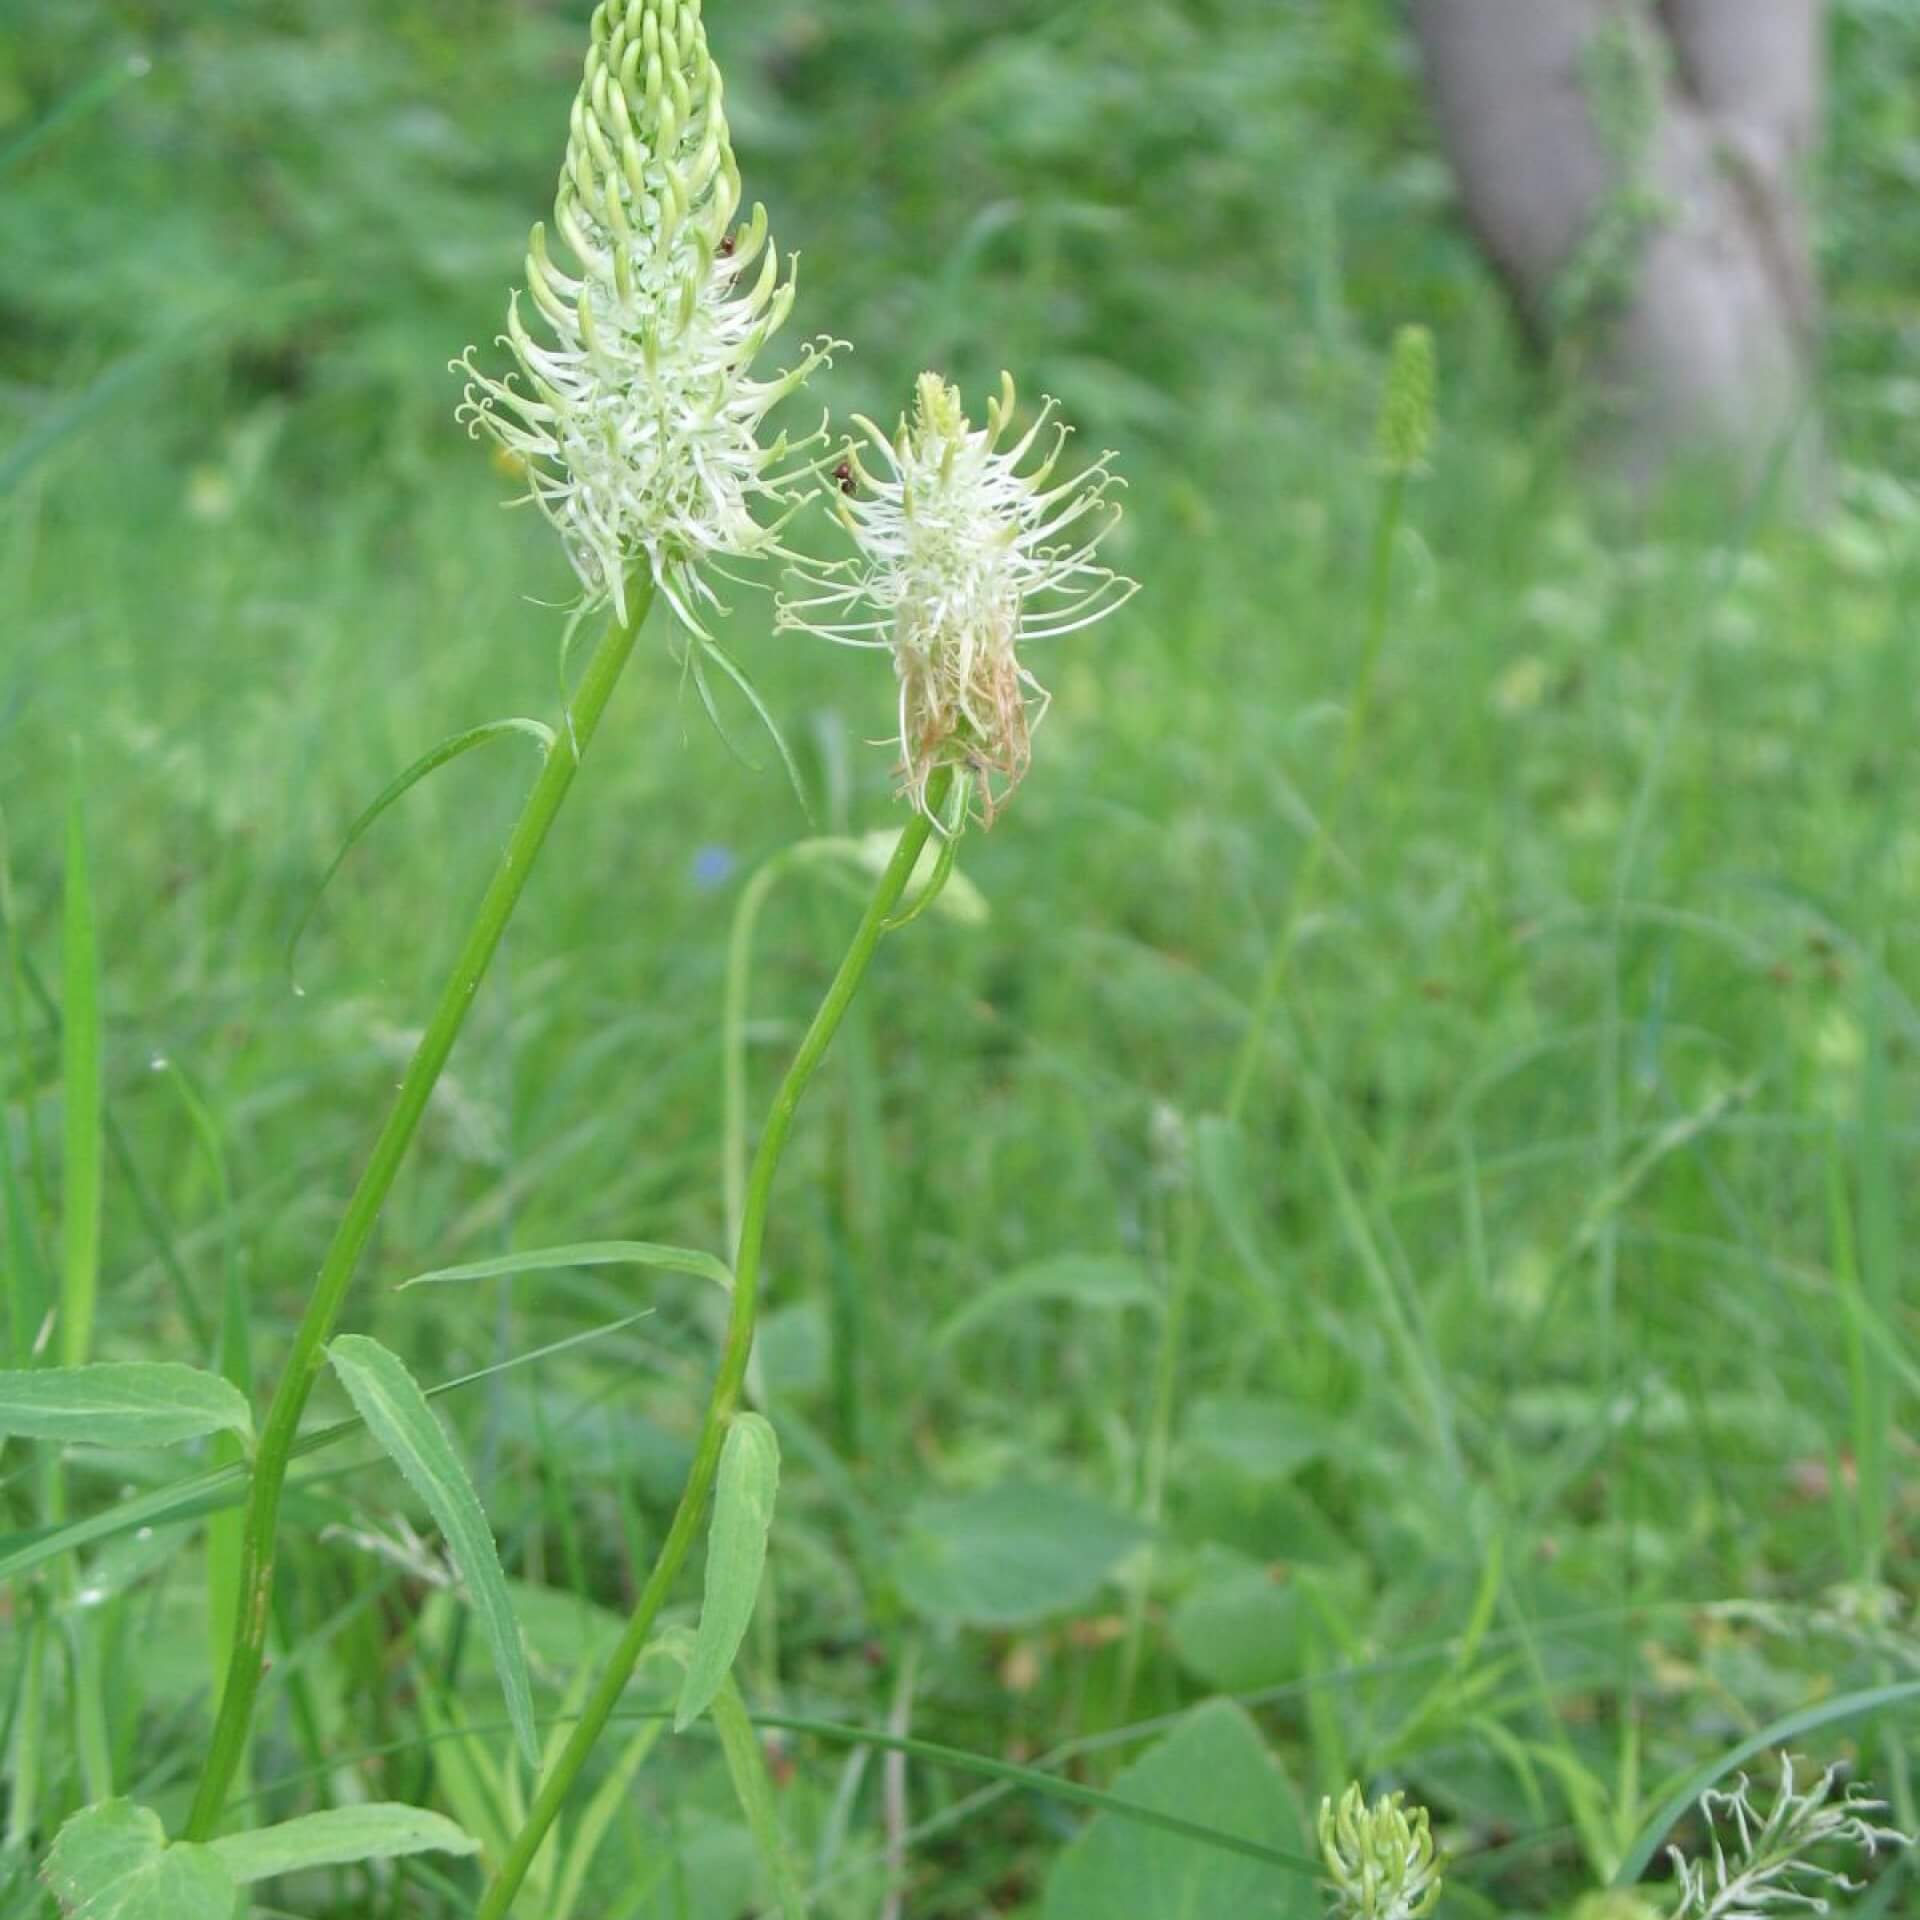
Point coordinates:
[(843, 477), (725, 248)]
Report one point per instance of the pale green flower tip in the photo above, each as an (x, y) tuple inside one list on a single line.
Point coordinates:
[(1381, 1859), (1408, 402)]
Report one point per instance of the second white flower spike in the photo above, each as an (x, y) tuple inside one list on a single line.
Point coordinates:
[(962, 559)]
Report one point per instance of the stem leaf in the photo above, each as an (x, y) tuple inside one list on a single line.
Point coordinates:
[(390, 1401), (133, 1403), (585, 1253), (429, 762), (748, 1481), (337, 1837)]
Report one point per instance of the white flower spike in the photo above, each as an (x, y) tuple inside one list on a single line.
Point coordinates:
[(1770, 1869), (962, 559), (639, 427)]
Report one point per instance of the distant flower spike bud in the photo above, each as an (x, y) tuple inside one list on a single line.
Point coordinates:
[(1381, 1859), (1407, 405), (962, 559), (638, 426)]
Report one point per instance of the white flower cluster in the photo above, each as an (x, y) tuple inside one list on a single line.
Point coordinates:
[(1771, 1870), (639, 426), (962, 558)]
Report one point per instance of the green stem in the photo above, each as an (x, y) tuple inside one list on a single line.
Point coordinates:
[(735, 1352), (246, 1662), (1183, 1266), (1274, 979)]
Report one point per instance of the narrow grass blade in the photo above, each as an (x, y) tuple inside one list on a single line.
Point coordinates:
[(587, 1253), (225, 1531), (1778, 1733), (396, 1412), (1096, 1282), (747, 1768), (429, 762), (728, 665), (81, 1092), (116, 1403), (744, 1492), (1035, 1780), (584, 1843), (28, 1292), (1877, 1284), (338, 1837), (89, 97)]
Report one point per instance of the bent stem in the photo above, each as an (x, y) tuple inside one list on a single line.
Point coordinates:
[(246, 1662), (734, 1355)]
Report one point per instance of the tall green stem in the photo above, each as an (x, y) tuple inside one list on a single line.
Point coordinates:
[(246, 1663), (734, 1354), (1184, 1260), (1274, 978)]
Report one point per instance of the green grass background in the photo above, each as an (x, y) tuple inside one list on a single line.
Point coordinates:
[(1553, 1284)]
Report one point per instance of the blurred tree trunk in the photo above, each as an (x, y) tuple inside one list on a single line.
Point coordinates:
[(1634, 168)]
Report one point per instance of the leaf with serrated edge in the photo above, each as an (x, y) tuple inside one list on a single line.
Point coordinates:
[(112, 1862), (121, 1403), (337, 1837), (743, 1501), (389, 1400)]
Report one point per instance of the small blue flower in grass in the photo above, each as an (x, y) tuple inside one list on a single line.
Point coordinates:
[(712, 867)]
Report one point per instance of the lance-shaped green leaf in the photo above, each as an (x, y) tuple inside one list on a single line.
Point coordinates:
[(584, 1253), (743, 1500), (112, 1862), (337, 1837), (114, 1403), (389, 1400)]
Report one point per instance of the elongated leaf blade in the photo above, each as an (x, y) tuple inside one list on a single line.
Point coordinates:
[(221, 1487), (587, 1253), (429, 762), (390, 1401), (753, 1788), (338, 1837), (82, 1092), (115, 1403), (743, 1500)]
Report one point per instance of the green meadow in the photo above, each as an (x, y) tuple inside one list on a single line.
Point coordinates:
[(1364, 1237)]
